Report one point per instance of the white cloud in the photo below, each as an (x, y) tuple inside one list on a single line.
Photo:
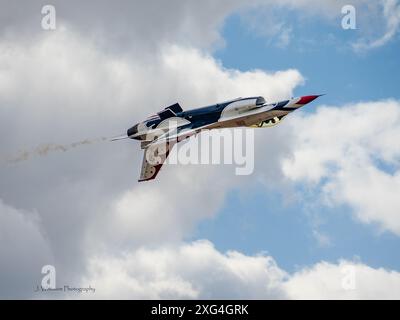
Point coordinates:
[(185, 271), (345, 280), (198, 271), (346, 152)]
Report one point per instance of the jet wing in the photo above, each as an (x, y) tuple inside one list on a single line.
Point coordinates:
[(156, 152), (153, 158)]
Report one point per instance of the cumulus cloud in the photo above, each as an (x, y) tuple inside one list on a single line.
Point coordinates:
[(351, 155), (198, 271), (186, 271), (345, 280)]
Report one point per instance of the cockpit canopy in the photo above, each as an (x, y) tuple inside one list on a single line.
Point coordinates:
[(260, 100)]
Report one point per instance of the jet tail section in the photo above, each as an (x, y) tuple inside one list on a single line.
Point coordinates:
[(170, 111), (175, 108), (165, 114)]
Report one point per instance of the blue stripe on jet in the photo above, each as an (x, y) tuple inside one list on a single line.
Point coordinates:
[(281, 104)]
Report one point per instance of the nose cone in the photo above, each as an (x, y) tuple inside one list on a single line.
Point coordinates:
[(307, 99), (132, 131)]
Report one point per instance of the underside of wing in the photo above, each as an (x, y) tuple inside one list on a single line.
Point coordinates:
[(153, 159), (269, 122)]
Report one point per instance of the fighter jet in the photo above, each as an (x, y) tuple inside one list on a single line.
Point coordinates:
[(160, 132)]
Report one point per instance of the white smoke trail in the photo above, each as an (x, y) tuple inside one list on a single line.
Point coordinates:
[(44, 150)]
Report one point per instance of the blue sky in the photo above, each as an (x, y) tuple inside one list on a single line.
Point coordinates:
[(331, 67), (262, 221)]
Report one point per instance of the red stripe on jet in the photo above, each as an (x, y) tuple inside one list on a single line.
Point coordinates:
[(306, 99)]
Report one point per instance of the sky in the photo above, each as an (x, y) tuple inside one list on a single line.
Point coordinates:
[(319, 218)]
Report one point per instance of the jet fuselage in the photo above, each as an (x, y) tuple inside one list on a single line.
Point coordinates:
[(241, 112)]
